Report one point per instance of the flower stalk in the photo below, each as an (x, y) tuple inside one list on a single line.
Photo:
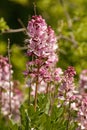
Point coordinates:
[(9, 60), (36, 89), (69, 116)]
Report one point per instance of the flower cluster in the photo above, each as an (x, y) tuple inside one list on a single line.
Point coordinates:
[(10, 96), (16, 99), (81, 104), (76, 98), (83, 81), (67, 88), (42, 39), (42, 49), (81, 101), (5, 73)]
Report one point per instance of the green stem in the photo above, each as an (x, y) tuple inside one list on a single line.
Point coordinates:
[(69, 115), (29, 95), (52, 99), (47, 88), (35, 105)]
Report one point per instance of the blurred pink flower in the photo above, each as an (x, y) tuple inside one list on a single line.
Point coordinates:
[(83, 81), (6, 88), (5, 72)]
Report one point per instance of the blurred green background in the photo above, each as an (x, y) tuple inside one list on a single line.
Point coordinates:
[(67, 17)]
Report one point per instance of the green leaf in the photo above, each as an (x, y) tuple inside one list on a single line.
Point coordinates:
[(3, 25), (3, 47)]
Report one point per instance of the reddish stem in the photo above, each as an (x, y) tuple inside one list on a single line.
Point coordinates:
[(47, 88), (37, 83)]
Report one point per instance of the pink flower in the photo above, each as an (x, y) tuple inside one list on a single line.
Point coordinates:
[(67, 87), (57, 74), (5, 72), (70, 72), (41, 88), (37, 26), (42, 48), (45, 74), (51, 39), (83, 81), (42, 40), (81, 103), (16, 99), (5, 83)]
